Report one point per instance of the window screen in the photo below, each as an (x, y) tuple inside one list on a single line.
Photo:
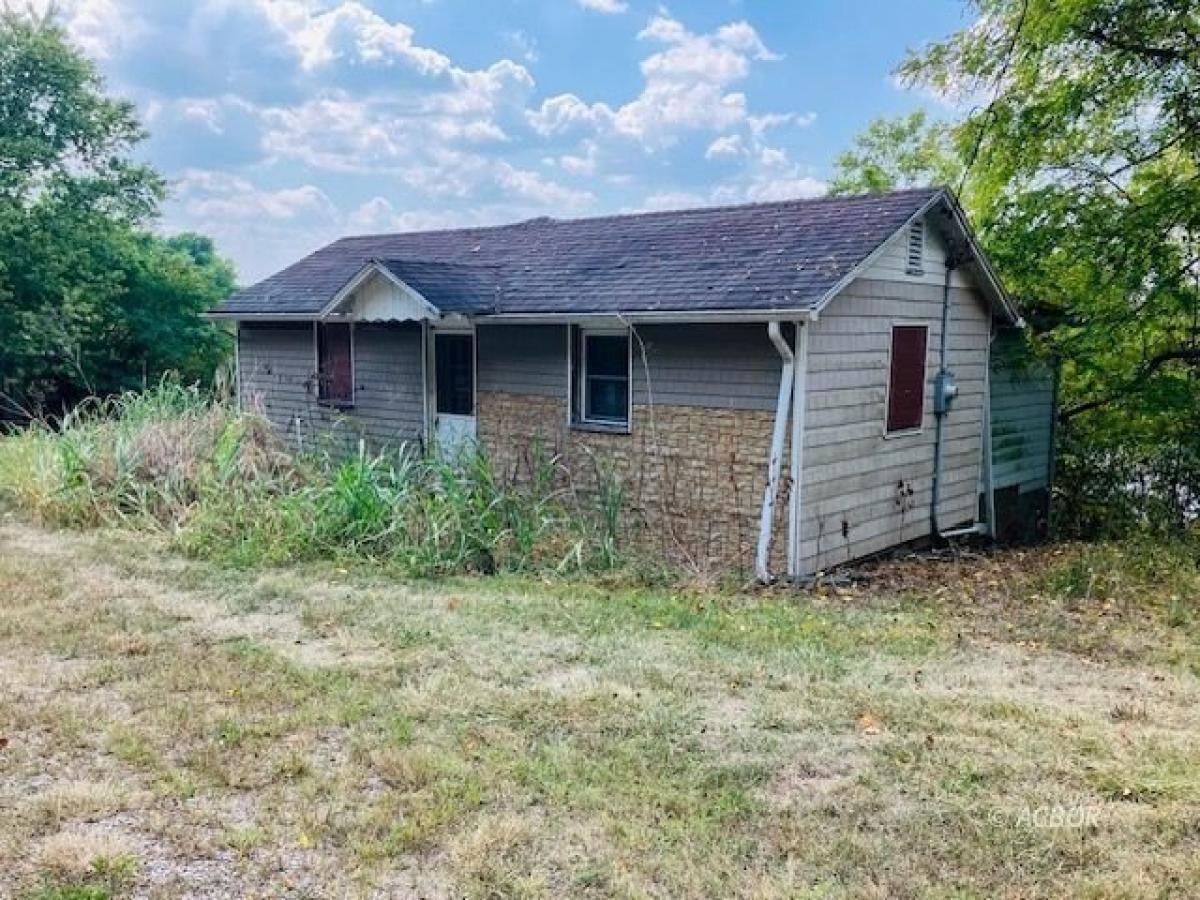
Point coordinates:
[(906, 385), (335, 364), (606, 378), (455, 359)]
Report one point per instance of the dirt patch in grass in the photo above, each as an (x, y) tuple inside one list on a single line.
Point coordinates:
[(982, 728)]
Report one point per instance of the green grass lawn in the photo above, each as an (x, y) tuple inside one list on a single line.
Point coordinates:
[(1022, 725)]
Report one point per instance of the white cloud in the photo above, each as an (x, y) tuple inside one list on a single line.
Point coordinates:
[(345, 120), (320, 36), (100, 28), (524, 43), (335, 132), (396, 122), (772, 157), (768, 174), (760, 125), (378, 216), (665, 200), (565, 112), (608, 7), (346, 43), (784, 186), (206, 111), (728, 146), (532, 186), (225, 197), (342, 132), (582, 163), (771, 175), (686, 87)]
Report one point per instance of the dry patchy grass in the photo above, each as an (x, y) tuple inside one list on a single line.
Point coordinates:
[(172, 728)]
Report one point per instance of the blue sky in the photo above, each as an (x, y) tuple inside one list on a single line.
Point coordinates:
[(283, 124)]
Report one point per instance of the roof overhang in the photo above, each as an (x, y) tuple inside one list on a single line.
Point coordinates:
[(235, 316), (647, 317), (333, 311)]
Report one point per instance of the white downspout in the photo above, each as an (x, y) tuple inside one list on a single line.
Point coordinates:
[(799, 410), (762, 561)]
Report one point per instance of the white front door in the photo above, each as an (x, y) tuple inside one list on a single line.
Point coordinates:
[(454, 390)]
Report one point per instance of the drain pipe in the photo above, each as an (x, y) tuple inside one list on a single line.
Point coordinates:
[(943, 392), (762, 560), (796, 467)]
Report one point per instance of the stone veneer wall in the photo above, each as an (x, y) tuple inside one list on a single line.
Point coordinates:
[(694, 477)]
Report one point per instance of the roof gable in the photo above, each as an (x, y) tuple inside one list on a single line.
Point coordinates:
[(953, 241), (376, 294)]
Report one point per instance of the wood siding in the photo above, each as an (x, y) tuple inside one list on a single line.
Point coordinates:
[(857, 480), (1022, 415), (892, 263), (277, 369), (714, 366), (523, 359)]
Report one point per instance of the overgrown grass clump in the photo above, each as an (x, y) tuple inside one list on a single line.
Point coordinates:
[(222, 486)]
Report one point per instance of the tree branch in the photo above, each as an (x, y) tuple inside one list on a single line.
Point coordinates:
[(1158, 54), (1152, 365)]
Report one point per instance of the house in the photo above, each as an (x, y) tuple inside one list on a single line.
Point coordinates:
[(790, 385)]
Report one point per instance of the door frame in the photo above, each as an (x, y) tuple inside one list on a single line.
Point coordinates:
[(430, 331)]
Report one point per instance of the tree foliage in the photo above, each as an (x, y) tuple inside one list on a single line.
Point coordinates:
[(1080, 161), (909, 151), (90, 300)]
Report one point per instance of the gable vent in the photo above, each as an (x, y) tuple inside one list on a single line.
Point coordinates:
[(916, 248)]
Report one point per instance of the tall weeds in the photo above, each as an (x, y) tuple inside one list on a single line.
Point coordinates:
[(219, 485)]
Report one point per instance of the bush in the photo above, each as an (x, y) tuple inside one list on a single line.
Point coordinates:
[(220, 485), (1114, 489)]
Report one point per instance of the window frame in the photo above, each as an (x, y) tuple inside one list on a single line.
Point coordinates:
[(887, 396), (579, 417), (335, 402), (450, 331)]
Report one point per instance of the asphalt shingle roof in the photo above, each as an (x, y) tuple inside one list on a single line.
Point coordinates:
[(451, 287), (760, 257)]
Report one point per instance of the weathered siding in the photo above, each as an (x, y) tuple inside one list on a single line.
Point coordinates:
[(851, 470), (853, 473), (1022, 415), (523, 359), (277, 368), (892, 263), (713, 366)]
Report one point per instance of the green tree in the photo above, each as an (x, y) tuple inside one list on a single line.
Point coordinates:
[(908, 151), (90, 300), (1081, 157)]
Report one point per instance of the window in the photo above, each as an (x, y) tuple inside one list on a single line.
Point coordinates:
[(916, 249), (335, 363), (603, 380), (906, 379), (454, 357)]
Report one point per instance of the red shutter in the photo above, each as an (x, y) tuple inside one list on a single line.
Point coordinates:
[(337, 371), (906, 388)]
